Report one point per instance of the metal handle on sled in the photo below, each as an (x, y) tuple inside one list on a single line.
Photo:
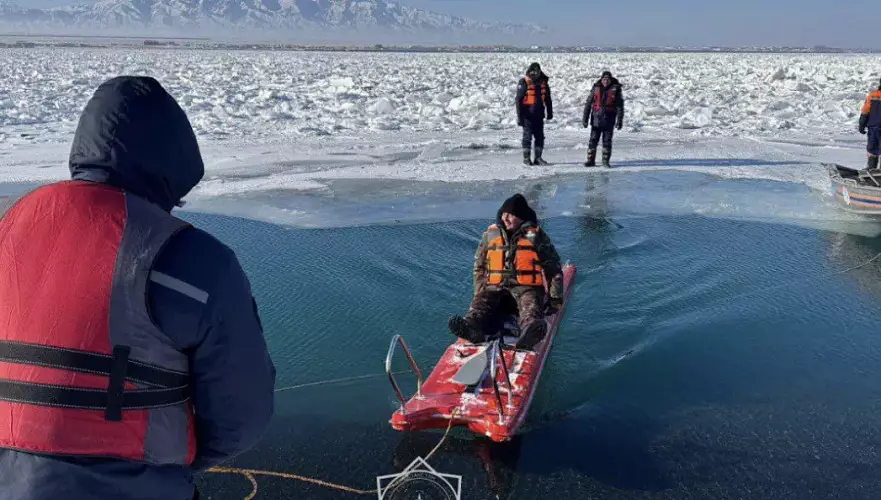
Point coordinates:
[(397, 339), (498, 354)]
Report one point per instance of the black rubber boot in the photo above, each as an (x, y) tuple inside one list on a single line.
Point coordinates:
[(533, 334), (464, 329), (538, 158), (526, 157), (872, 162), (607, 155), (591, 158)]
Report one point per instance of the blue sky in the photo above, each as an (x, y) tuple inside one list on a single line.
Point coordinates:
[(847, 23)]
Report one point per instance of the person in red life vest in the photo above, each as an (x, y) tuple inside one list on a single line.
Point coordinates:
[(603, 112), (533, 103), (131, 349), (512, 262), (870, 122)]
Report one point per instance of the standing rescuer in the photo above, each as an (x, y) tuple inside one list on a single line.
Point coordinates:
[(603, 112), (870, 122), (131, 349), (534, 103)]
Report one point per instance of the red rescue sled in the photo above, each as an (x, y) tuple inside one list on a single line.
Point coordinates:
[(494, 399)]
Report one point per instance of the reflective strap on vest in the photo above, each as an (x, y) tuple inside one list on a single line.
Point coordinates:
[(173, 385), (179, 286)]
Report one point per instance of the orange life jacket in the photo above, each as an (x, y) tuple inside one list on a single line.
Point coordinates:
[(529, 98), (523, 264)]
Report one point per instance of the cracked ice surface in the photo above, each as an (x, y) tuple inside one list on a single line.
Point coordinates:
[(280, 130), (244, 94)]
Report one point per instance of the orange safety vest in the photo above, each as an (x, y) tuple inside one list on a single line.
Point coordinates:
[(529, 98), (524, 264)]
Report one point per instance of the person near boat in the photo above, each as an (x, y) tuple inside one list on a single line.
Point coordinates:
[(870, 125), (131, 350), (514, 262)]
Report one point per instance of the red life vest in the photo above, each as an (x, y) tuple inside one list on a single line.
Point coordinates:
[(529, 98), (609, 103), (84, 371)]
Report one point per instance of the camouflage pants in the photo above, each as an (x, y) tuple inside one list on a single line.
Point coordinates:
[(491, 307)]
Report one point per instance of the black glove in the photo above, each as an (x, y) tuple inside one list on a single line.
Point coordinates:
[(863, 130), (619, 124), (519, 121), (550, 116), (585, 124)]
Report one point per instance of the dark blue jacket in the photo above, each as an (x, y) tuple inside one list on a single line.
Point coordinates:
[(133, 135), (870, 114)]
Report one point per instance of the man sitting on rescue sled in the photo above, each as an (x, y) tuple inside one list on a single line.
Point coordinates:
[(514, 259)]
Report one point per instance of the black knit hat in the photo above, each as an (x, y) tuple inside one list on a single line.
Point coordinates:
[(606, 73), (518, 206)]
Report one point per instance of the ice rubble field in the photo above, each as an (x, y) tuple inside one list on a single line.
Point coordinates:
[(253, 94), (295, 121)]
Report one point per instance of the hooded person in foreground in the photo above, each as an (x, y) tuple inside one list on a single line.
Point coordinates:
[(131, 349), (512, 262)]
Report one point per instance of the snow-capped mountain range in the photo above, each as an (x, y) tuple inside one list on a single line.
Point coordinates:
[(288, 15)]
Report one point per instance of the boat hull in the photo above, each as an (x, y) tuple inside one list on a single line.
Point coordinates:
[(852, 193), (476, 407)]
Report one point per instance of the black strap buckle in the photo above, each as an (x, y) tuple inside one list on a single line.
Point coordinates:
[(116, 387)]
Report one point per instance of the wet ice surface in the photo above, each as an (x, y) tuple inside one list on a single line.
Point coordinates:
[(305, 139), (347, 181)]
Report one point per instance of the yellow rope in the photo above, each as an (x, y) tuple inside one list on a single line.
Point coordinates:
[(250, 473), (447, 433)]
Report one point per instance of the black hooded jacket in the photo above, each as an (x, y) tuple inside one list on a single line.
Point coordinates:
[(602, 114), (133, 135)]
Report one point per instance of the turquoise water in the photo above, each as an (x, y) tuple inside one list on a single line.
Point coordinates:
[(699, 357)]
